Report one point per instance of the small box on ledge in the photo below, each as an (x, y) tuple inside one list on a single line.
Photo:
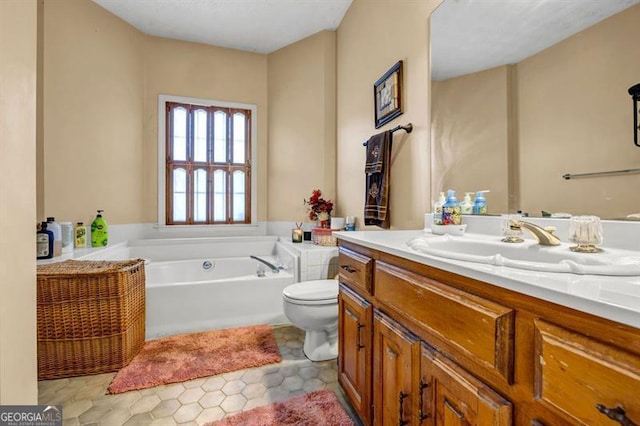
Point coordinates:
[(323, 237)]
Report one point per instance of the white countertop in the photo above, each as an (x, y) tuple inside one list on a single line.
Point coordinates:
[(615, 298)]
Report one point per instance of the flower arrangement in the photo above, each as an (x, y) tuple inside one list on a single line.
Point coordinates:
[(319, 208)]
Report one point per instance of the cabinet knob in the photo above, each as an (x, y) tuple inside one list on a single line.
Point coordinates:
[(349, 269), (422, 415), (358, 343), (617, 414), (401, 398)]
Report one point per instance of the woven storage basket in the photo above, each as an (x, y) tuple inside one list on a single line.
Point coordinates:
[(91, 316)]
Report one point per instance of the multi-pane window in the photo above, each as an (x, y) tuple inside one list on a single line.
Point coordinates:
[(208, 164)]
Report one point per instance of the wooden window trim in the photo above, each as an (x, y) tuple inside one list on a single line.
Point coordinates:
[(190, 165)]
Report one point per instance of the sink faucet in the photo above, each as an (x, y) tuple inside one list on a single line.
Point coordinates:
[(274, 268), (544, 236)]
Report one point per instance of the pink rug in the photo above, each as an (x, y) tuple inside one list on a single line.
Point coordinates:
[(190, 356), (319, 408)]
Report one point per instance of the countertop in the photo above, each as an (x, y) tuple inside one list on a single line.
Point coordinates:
[(614, 298)]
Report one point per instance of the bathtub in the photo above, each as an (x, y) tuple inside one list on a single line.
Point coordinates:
[(196, 284)]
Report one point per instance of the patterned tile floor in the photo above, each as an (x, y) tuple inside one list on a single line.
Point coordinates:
[(85, 402)]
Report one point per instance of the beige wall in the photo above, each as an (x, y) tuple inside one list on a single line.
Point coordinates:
[(93, 111), (302, 125), (469, 130), (371, 38), (18, 38), (200, 71), (583, 80)]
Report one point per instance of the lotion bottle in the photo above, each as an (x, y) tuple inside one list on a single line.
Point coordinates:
[(99, 231), (437, 209), (44, 242), (466, 206), (80, 235), (451, 210), (55, 227), (480, 204)]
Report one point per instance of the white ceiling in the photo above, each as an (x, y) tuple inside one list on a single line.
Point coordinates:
[(261, 26), (472, 35)]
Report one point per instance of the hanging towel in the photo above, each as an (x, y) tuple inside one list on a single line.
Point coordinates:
[(377, 173), (376, 148)]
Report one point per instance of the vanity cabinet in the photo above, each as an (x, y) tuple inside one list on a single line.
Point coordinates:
[(396, 353), (354, 346), (446, 349), (449, 395)]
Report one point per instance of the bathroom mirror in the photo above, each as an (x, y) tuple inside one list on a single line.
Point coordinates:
[(526, 92)]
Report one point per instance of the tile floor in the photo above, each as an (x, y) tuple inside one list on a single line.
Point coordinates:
[(84, 400)]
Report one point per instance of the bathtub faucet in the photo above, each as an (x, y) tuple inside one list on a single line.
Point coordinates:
[(274, 268)]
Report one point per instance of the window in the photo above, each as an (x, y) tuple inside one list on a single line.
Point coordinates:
[(207, 164)]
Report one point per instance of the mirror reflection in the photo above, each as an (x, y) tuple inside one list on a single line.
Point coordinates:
[(526, 92)]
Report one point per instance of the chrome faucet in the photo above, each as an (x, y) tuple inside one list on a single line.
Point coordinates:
[(544, 236), (274, 268)]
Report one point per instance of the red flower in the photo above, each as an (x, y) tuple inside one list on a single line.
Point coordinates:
[(318, 205)]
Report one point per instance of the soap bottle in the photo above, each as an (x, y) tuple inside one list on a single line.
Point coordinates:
[(466, 206), (44, 242), (437, 210), (80, 233), (55, 227), (480, 204), (451, 210), (99, 231)]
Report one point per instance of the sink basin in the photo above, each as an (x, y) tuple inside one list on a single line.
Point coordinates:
[(528, 255)]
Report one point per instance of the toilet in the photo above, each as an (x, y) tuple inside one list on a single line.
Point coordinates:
[(313, 307)]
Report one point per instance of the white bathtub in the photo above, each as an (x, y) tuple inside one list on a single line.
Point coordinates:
[(182, 296)]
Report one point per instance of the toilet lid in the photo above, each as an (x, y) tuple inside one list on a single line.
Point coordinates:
[(312, 290)]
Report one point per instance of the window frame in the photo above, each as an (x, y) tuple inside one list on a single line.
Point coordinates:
[(163, 167)]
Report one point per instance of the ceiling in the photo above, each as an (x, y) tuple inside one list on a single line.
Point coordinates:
[(261, 26), (473, 35)]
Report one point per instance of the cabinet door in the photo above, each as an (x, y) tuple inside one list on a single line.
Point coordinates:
[(451, 396), (585, 381), (396, 353), (354, 345)]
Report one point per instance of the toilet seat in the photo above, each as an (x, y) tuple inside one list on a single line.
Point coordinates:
[(317, 292)]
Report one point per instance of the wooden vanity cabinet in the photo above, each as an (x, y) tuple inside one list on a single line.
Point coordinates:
[(449, 395), (354, 346), (423, 346), (396, 353)]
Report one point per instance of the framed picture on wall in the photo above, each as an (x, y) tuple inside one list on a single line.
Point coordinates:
[(387, 95)]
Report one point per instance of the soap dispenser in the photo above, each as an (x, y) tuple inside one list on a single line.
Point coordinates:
[(451, 210), (99, 231), (466, 206), (437, 209), (480, 204)]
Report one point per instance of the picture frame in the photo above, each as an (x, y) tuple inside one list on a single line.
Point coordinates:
[(387, 95)]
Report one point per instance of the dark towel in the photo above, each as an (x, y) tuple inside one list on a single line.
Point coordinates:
[(377, 173), (376, 148)]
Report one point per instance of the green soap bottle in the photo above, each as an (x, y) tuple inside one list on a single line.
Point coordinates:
[(99, 231)]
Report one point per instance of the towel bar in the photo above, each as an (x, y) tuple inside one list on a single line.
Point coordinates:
[(407, 128)]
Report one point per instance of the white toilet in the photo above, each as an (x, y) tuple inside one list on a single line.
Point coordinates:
[(313, 307)]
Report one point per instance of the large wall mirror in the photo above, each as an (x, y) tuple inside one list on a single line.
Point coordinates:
[(524, 92)]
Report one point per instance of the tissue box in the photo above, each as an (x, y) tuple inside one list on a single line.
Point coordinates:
[(323, 237)]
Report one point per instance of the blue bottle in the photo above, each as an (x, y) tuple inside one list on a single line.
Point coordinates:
[(44, 242), (480, 204), (451, 214)]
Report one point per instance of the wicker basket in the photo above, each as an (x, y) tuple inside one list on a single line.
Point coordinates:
[(91, 316)]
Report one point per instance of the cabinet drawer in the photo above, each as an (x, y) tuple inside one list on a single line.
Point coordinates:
[(355, 270), (482, 329), (574, 374)]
